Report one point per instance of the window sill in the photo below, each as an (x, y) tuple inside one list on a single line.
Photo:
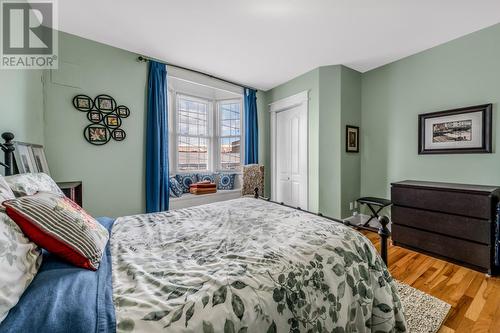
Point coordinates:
[(239, 173), (190, 200)]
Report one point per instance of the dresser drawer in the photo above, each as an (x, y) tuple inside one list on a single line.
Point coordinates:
[(456, 249), (452, 225), (466, 204)]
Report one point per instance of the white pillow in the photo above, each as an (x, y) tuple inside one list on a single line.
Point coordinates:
[(5, 192), (31, 183), (20, 260)]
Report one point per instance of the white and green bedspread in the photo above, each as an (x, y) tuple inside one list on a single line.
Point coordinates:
[(248, 265)]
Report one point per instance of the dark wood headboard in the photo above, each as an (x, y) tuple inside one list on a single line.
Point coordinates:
[(8, 149)]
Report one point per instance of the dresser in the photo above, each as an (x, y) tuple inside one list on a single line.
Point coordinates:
[(455, 222)]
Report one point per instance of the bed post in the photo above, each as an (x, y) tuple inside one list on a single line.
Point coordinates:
[(8, 149), (384, 233)]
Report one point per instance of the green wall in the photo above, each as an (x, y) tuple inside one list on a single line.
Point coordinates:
[(350, 162), (264, 121), (21, 105), (339, 172), (112, 174), (329, 137), (460, 73), (334, 101)]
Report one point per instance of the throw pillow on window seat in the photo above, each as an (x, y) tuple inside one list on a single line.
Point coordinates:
[(176, 189), (225, 181), (185, 180), (206, 177)]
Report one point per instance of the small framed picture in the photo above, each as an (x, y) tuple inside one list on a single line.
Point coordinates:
[(112, 120), (23, 155), (94, 116), (96, 134), (118, 134), (352, 139), (39, 159), (122, 111), (105, 103), (458, 131), (83, 103)]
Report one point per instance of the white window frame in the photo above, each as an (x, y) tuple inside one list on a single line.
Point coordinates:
[(214, 154), (218, 135), (209, 137)]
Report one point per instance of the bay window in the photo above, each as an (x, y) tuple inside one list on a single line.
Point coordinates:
[(207, 134)]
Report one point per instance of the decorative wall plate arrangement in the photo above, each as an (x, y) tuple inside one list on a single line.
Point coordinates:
[(105, 117)]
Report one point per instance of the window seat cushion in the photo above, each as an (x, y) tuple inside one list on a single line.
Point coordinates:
[(189, 200)]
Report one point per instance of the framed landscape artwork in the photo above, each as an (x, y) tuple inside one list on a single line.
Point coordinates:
[(457, 131), (352, 139)]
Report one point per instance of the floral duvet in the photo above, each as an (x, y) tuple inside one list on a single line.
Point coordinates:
[(248, 265)]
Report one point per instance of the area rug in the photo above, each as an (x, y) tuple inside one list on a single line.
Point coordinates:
[(424, 313)]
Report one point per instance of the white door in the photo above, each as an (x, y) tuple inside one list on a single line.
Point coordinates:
[(290, 156)]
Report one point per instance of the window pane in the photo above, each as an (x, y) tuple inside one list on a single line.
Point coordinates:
[(192, 117), (193, 128), (230, 148), (230, 119), (230, 153), (193, 153)]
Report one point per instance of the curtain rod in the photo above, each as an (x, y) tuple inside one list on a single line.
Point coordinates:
[(146, 59)]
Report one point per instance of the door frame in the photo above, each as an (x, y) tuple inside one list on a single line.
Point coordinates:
[(298, 100)]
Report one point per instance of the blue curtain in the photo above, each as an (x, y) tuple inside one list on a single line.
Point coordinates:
[(251, 127), (157, 190)]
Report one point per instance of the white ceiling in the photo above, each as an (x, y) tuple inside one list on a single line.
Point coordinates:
[(263, 43)]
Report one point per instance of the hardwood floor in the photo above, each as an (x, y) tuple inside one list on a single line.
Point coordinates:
[(474, 297)]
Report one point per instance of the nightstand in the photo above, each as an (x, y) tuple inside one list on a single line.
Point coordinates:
[(72, 190)]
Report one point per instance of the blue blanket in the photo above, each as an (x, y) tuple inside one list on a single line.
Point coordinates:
[(64, 298)]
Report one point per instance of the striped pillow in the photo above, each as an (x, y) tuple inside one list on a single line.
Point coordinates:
[(60, 226)]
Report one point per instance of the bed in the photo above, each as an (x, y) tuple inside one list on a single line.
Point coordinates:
[(245, 265)]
